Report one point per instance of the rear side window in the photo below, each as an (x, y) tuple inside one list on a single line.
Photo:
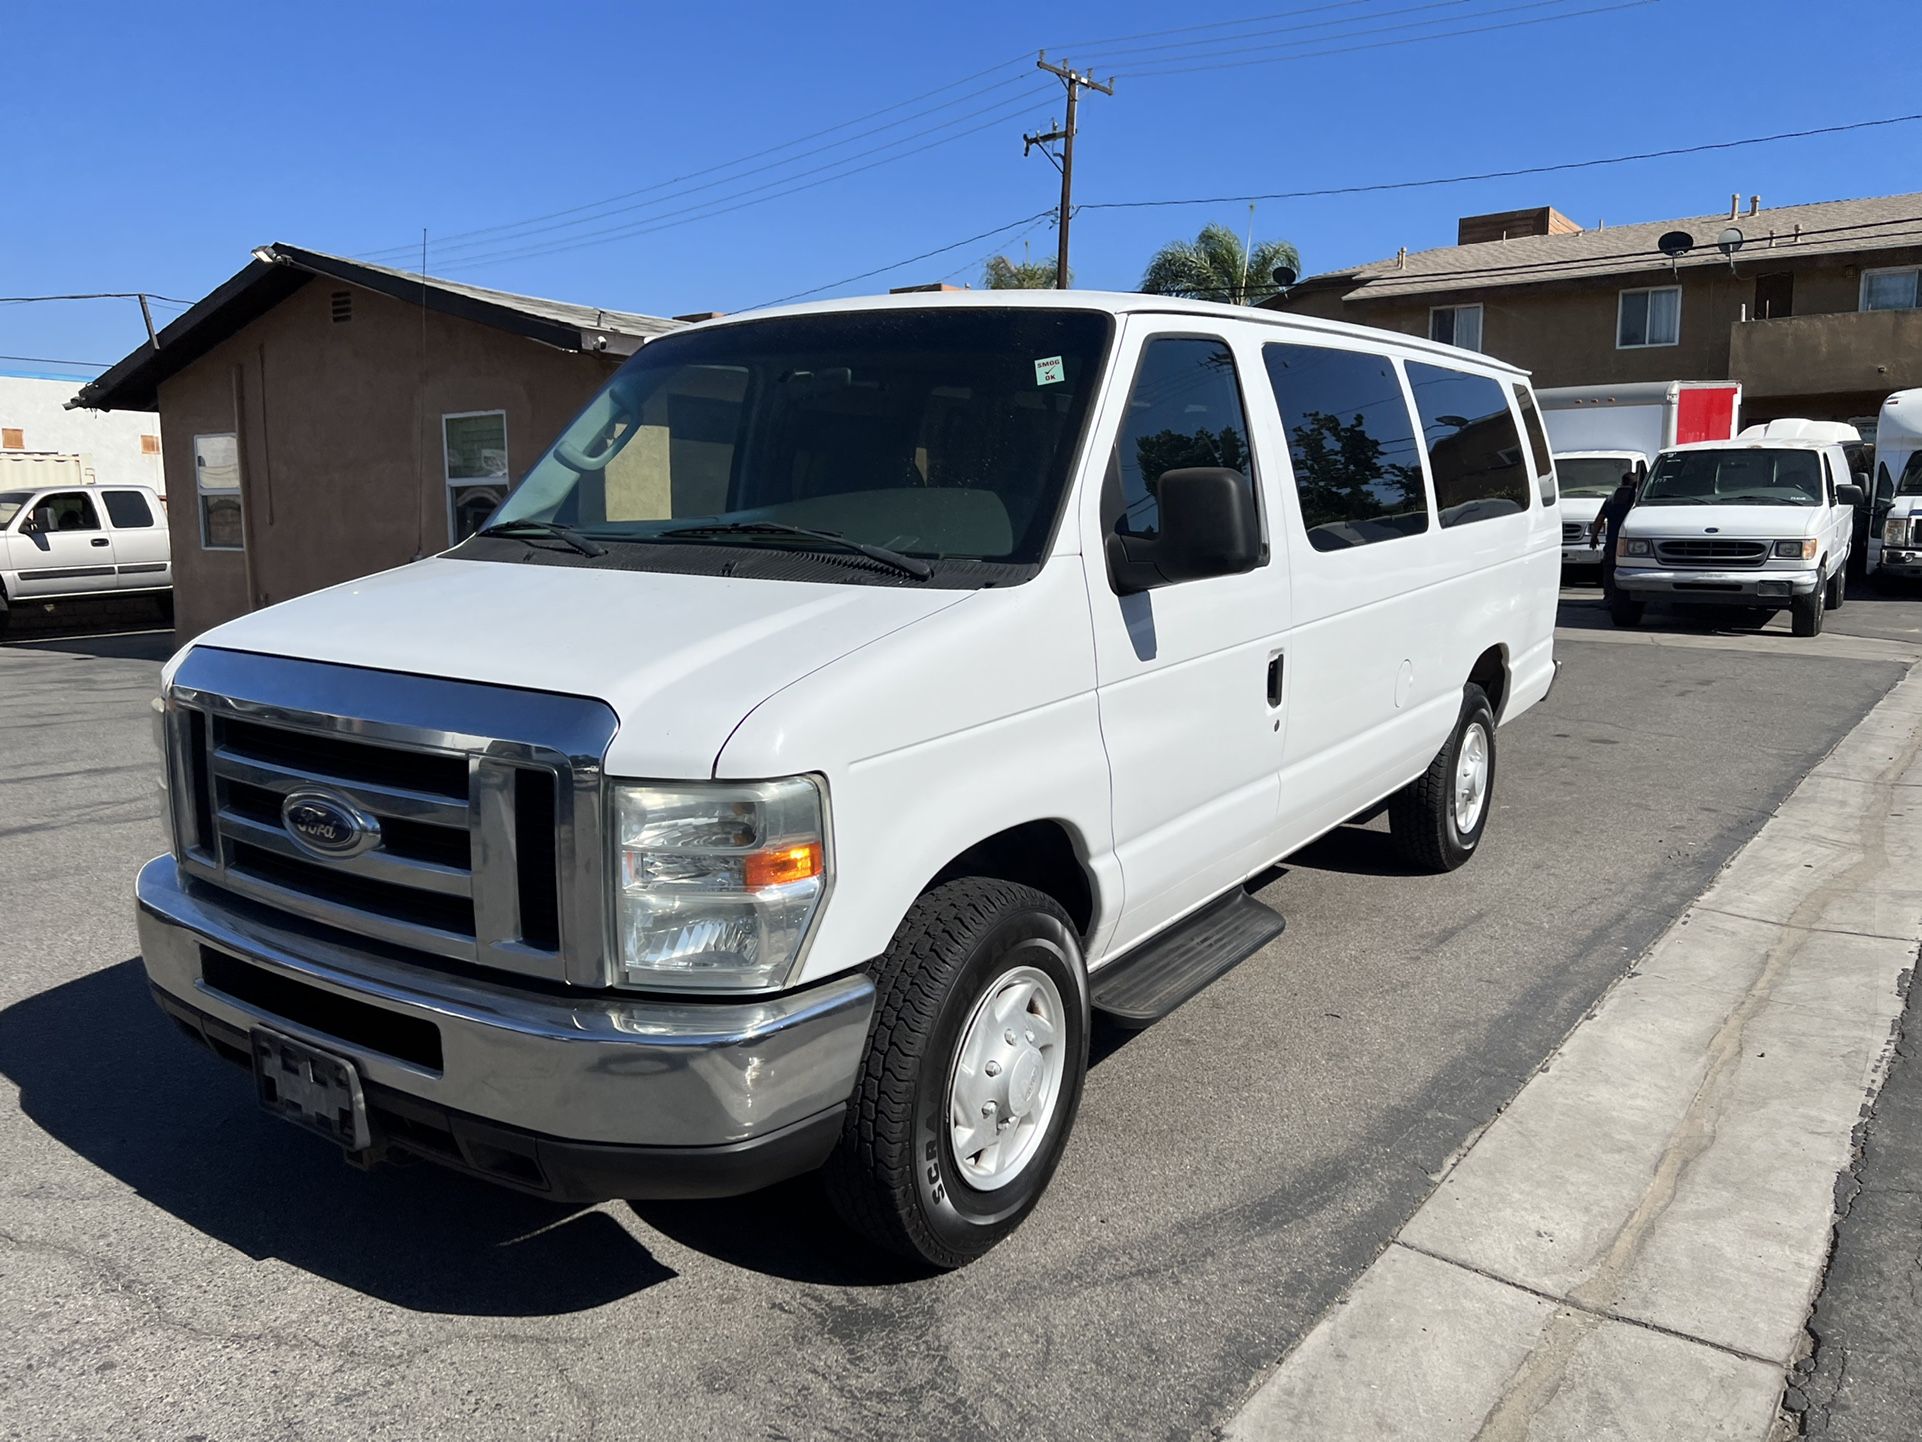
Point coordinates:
[(128, 510), (1538, 444), (1474, 450), (1357, 468), (1185, 410)]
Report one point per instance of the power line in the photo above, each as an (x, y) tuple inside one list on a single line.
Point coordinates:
[(1085, 45), (92, 295), (1107, 54), (896, 265), (46, 360), (1557, 167)]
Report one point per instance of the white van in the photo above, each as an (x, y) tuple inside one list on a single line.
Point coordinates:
[(1585, 479), (855, 699), (1762, 523), (60, 543), (1895, 551)]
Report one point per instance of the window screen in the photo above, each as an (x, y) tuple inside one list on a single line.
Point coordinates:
[(1537, 445), (1357, 469), (128, 510), (1474, 450), (1185, 410)]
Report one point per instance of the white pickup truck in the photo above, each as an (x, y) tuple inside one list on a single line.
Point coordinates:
[(853, 701), (73, 542), (1761, 523)]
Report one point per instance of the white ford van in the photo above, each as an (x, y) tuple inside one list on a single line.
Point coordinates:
[(1586, 479), (853, 701), (1763, 523), (1897, 552)]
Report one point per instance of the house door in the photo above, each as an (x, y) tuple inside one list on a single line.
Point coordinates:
[(1774, 295)]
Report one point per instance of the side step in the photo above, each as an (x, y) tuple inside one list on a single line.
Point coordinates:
[(1155, 978)]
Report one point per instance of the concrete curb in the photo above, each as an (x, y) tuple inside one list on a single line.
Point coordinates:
[(1631, 1248)]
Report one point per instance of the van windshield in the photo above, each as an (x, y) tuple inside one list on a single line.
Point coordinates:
[(10, 504), (1737, 476), (944, 435), (1590, 476)]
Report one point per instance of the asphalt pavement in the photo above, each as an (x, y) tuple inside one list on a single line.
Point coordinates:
[(174, 1263)]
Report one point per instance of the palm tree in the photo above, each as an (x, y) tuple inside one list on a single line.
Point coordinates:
[(1005, 274), (1216, 266)]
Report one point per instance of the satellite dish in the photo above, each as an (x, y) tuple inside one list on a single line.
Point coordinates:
[(1730, 240), (1676, 243), (1284, 276)]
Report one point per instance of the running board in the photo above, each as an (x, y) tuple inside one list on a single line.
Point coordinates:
[(1154, 979)]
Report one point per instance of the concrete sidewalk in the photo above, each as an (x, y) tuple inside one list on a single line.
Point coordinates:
[(1630, 1250)]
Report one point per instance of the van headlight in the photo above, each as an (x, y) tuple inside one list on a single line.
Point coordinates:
[(1630, 546), (1797, 550), (717, 883), (1895, 531)]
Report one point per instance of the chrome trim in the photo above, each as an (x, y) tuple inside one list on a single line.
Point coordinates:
[(374, 865), (494, 730), (1676, 583), (597, 1069), (1721, 553)]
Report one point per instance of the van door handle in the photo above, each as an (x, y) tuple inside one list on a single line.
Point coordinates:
[(99, 540), (1274, 680)]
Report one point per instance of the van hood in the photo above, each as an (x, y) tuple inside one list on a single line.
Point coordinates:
[(1742, 523), (681, 659)]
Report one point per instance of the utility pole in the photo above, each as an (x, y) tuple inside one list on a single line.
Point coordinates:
[(1076, 83)]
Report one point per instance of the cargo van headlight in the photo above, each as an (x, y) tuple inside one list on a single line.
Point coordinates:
[(717, 884), (1895, 531), (1632, 547), (1797, 550)]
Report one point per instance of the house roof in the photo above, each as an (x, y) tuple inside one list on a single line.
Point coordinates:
[(1832, 227), (277, 271)]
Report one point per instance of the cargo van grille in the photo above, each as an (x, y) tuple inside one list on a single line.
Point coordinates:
[(463, 848), (1711, 552), (1573, 532)]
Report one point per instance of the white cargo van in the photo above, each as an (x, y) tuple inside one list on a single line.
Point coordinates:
[(854, 700), (1585, 479), (1763, 524), (66, 542), (1895, 551)]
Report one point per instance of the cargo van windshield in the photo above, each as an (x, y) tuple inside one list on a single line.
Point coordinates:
[(1737, 476), (940, 435)]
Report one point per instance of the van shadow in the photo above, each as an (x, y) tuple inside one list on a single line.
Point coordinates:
[(101, 1071), (1350, 850)]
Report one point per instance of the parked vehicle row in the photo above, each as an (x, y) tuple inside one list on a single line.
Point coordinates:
[(82, 541), (870, 694)]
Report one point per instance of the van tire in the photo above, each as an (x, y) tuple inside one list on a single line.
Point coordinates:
[(1836, 592), (894, 1177), (1624, 611), (1422, 816), (1805, 613)]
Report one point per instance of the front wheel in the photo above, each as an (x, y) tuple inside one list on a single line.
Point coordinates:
[(1805, 612), (1624, 611), (1436, 821), (972, 1076)]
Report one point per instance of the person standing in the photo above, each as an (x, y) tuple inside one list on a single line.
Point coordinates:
[(1608, 525)]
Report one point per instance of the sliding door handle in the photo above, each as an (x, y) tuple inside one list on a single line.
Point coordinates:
[(1275, 680)]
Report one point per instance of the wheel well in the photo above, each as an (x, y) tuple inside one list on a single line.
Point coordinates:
[(1490, 672), (1040, 854)]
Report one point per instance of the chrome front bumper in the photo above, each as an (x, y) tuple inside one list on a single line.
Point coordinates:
[(605, 1076), (1581, 555), (1748, 587)]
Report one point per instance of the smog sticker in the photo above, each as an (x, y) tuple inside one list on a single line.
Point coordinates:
[(1049, 372)]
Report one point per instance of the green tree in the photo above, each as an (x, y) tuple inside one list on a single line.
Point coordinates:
[(1215, 265), (1005, 274)]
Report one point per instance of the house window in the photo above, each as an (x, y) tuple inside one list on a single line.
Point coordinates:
[(1649, 317), (217, 484), (1892, 289), (150, 445), (12, 438), (1456, 325), (475, 446)]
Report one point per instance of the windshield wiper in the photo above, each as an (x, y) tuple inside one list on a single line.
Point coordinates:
[(907, 565), (563, 534)]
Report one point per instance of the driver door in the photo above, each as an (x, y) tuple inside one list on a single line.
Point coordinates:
[(59, 549)]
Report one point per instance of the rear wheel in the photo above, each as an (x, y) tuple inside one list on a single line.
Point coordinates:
[(1806, 612), (1436, 821), (973, 1073), (166, 605), (1624, 611)]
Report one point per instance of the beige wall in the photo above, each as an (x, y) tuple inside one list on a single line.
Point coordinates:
[(339, 426), (1565, 332)]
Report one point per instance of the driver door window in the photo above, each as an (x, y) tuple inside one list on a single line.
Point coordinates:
[(65, 511), (1185, 410)]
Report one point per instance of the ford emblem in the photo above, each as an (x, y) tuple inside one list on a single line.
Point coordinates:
[(1710, 530), (328, 826)]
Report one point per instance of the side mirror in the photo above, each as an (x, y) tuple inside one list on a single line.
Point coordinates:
[(1208, 528), (1850, 495)]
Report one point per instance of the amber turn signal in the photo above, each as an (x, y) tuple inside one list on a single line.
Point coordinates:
[(788, 863)]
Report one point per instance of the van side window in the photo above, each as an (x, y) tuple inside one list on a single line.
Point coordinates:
[(1185, 410), (1357, 469), (1474, 450), (1537, 444), (128, 510)]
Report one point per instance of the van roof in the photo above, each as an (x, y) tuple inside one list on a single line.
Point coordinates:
[(1129, 303), (1758, 443)]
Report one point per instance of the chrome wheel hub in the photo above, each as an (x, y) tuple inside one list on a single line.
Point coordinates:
[(1006, 1080), (1471, 779)]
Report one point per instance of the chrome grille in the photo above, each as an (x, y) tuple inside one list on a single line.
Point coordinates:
[(489, 841), (1711, 552), (1573, 533)]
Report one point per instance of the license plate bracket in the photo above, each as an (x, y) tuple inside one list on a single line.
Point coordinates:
[(311, 1088)]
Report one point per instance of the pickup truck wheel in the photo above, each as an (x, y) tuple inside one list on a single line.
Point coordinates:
[(973, 1073), (1624, 611), (1836, 592), (1436, 821), (1805, 612)]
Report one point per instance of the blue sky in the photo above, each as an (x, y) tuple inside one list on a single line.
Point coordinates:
[(150, 147)]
